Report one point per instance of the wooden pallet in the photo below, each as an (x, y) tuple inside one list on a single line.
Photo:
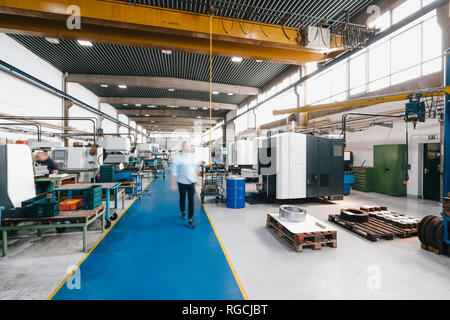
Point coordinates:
[(446, 251), (297, 241), (374, 229)]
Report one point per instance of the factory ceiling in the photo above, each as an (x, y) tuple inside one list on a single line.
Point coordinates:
[(104, 59)]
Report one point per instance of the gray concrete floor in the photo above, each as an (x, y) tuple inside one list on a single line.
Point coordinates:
[(267, 267), (35, 266), (356, 269)]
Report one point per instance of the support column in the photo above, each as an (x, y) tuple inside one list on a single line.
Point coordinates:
[(66, 112), (224, 135), (446, 167)]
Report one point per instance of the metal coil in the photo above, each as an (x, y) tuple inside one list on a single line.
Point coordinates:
[(292, 213)]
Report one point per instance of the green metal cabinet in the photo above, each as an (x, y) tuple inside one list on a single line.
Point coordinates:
[(389, 162)]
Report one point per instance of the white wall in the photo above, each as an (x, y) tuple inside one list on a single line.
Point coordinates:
[(80, 92), (107, 125), (20, 98)]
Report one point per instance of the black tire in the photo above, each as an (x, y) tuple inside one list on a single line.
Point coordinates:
[(107, 224), (421, 228), (439, 237), (114, 216), (429, 235), (354, 215)]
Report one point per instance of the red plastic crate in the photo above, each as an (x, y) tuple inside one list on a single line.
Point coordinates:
[(71, 204)]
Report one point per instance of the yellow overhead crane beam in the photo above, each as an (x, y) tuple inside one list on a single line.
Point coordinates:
[(363, 102), (119, 22)]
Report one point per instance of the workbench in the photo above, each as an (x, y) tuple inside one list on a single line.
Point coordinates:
[(77, 171), (83, 219), (57, 181), (106, 186)]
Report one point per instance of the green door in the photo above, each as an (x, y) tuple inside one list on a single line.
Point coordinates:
[(431, 171), (389, 169)]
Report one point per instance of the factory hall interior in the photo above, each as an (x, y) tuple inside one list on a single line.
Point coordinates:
[(225, 150)]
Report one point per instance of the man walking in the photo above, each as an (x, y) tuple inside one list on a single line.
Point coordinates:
[(184, 173)]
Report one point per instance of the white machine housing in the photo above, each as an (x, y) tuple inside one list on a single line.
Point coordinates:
[(78, 158), (16, 175), (36, 145), (301, 166), (117, 150)]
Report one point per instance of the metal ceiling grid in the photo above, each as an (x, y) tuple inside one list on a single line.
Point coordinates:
[(106, 59), (139, 92), (269, 11)]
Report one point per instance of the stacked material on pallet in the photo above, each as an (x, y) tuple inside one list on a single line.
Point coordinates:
[(375, 222), (431, 235), (397, 219), (309, 233)]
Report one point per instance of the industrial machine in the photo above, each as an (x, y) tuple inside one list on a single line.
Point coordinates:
[(36, 145), (116, 151), (79, 158), (16, 175), (295, 166)]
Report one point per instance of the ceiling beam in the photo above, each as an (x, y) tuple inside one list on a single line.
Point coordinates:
[(169, 102), (173, 128), (161, 83), (171, 112), (171, 119), (156, 27)]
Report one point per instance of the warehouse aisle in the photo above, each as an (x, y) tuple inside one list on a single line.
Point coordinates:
[(151, 254)]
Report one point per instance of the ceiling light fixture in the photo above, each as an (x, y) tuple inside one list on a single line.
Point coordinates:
[(152, 106), (258, 61), (171, 90), (230, 93), (85, 43), (122, 86), (236, 59), (125, 104), (215, 92), (168, 52), (138, 105), (173, 106), (104, 85), (52, 40)]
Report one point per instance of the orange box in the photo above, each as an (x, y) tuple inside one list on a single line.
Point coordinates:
[(71, 204)]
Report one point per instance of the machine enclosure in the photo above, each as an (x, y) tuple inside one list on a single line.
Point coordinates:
[(296, 166)]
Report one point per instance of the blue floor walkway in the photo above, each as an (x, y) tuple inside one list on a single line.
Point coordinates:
[(151, 254)]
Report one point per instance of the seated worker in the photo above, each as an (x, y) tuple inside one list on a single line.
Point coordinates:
[(44, 160)]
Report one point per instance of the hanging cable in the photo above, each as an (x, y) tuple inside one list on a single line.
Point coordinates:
[(210, 85)]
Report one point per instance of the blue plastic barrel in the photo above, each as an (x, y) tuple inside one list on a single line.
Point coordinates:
[(235, 192)]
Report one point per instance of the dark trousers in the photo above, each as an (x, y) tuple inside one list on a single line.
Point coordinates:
[(190, 190)]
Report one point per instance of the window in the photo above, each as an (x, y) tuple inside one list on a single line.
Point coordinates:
[(357, 74), (339, 82), (406, 49), (405, 9), (432, 39), (379, 65)]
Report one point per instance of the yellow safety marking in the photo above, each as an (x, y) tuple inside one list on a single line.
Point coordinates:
[(241, 287), (50, 297)]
